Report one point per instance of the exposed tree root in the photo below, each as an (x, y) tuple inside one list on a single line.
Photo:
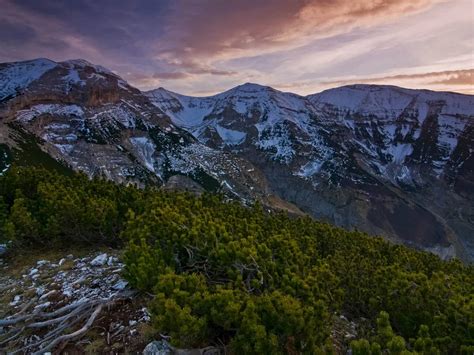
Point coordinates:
[(55, 324)]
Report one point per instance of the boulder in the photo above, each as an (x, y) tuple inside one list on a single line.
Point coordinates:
[(99, 260), (157, 348)]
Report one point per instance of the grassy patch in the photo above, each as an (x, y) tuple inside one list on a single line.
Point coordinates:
[(21, 262)]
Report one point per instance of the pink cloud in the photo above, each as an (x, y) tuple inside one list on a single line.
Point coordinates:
[(459, 80), (214, 27)]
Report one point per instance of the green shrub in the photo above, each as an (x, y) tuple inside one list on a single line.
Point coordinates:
[(258, 282)]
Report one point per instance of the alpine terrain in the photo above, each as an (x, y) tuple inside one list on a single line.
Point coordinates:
[(384, 160), (92, 121)]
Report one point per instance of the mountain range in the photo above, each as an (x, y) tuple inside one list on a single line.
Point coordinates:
[(385, 160)]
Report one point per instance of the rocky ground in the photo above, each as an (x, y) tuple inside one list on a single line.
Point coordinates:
[(78, 304)]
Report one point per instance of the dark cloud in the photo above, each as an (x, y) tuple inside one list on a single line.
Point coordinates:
[(213, 26), (112, 26), (191, 27), (12, 33), (178, 39)]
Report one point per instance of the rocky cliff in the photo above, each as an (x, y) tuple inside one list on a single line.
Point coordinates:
[(386, 160), (383, 159), (94, 122)]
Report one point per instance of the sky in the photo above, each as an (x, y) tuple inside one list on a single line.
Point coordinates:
[(202, 47)]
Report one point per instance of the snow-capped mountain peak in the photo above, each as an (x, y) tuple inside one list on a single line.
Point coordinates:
[(226, 118), (92, 121), (362, 138), (250, 87), (16, 76), (390, 100), (379, 158), (267, 117)]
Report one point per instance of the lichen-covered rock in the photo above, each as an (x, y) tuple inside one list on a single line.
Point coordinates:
[(157, 348), (100, 260)]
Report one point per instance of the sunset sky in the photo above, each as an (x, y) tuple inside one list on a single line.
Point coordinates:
[(202, 47)]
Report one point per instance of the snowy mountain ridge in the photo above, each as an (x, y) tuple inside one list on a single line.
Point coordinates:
[(93, 121), (364, 143), (399, 113), (386, 160)]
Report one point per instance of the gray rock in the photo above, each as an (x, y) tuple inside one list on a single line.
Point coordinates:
[(16, 300), (157, 348), (120, 285), (99, 260), (40, 290), (3, 249), (40, 263)]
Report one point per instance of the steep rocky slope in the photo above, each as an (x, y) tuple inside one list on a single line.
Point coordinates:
[(382, 159), (93, 121), (387, 160)]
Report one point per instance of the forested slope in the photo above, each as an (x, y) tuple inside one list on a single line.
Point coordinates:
[(257, 282)]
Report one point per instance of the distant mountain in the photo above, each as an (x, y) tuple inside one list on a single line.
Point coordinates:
[(93, 121), (386, 160)]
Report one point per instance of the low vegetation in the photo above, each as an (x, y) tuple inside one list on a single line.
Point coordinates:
[(257, 282)]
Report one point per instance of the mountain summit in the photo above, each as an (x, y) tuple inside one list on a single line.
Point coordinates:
[(386, 160)]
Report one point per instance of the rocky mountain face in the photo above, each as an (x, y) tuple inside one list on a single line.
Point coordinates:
[(385, 160), (94, 122), (382, 159)]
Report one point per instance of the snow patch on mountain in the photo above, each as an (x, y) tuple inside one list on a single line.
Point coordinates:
[(73, 78), (145, 149), (65, 149), (184, 111), (389, 102), (82, 63), (17, 76), (230, 136), (378, 100), (450, 128), (310, 169), (118, 113), (56, 109), (399, 152)]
